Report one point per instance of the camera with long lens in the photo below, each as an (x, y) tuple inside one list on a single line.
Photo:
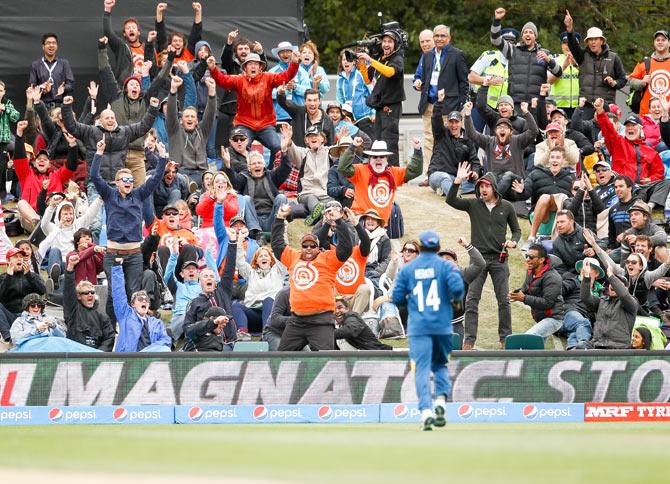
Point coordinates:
[(373, 44)]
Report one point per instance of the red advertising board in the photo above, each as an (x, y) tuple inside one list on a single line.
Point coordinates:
[(626, 412)]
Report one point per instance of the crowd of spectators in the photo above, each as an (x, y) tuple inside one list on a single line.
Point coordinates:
[(159, 221)]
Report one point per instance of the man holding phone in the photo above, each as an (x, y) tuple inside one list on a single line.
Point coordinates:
[(18, 282), (542, 291)]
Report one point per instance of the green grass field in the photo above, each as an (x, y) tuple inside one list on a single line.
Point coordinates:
[(388, 453)]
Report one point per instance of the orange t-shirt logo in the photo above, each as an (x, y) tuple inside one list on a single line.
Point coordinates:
[(380, 195), (305, 275), (348, 273), (660, 82)]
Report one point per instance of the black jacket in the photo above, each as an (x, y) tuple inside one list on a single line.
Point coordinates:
[(243, 182), (388, 90), (544, 293), (89, 327), (197, 329), (337, 185), (570, 248), (453, 78), (358, 334), (449, 152), (281, 312), (300, 121), (491, 116), (540, 181), (585, 210), (15, 286)]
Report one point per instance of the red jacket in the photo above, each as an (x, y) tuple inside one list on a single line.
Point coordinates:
[(624, 159), (254, 96), (205, 209), (89, 265), (31, 181)]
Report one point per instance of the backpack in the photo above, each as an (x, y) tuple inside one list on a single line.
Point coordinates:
[(635, 98), (396, 226)]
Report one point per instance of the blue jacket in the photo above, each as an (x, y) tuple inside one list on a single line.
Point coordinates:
[(297, 95), (130, 324), (428, 285), (354, 90), (124, 214), (222, 238)]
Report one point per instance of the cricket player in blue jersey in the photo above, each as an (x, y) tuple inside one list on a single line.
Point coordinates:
[(428, 285)]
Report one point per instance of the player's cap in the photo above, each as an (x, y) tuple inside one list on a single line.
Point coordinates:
[(429, 239)]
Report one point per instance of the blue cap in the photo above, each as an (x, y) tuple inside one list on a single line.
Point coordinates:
[(510, 34), (564, 37), (429, 239)]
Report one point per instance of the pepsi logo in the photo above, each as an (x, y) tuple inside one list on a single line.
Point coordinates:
[(530, 411), (400, 411), (325, 412), (56, 414), (260, 413), (195, 414), (465, 411), (120, 414)]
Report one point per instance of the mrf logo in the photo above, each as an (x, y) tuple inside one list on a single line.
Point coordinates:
[(608, 412)]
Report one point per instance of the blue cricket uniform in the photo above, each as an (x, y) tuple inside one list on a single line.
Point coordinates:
[(428, 285)]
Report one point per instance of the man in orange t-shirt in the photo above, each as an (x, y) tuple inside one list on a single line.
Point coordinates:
[(375, 182), (312, 282), (350, 278), (656, 82)]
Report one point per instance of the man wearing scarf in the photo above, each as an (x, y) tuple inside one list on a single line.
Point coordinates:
[(375, 183)]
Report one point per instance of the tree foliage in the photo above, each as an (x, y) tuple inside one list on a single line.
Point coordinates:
[(628, 26)]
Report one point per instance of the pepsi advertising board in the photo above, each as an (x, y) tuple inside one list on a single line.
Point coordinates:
[(250, 414), (399, 413), (86, 415), (514, 412)]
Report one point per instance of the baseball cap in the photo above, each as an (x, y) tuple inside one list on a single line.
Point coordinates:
[(603, 163), (308, 237), (455, 115), (42, 152), (15, 251), (190, 263), (171, 208), (504, 121), (429, 239), (450, 252), (236, 219), (238, 132), (553, 127), (664, 33), (616, 110), (633, 119), (558, 110), (312, 130)]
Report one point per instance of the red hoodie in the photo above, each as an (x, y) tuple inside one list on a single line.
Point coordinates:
[(254, 96), (623, 153), (31, 181)]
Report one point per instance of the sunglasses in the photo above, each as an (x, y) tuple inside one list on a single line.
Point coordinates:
[(601, 170), (170, 213), (410, 250), (531, 257), (238, 139), (126, 179), (142, 299), (86, 293), (631, 262), (36, 305), (308, 246)]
